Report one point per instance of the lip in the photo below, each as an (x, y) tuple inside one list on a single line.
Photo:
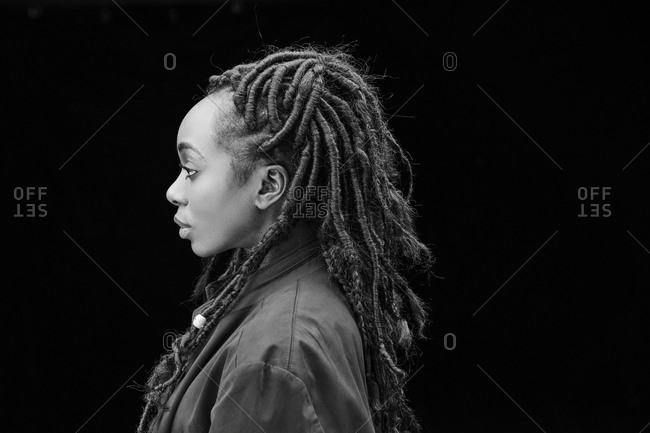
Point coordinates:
[(183, 232), (181, 224)]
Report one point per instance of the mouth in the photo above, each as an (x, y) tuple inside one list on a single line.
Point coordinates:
[(181, 224), (184, 228), (183, 232)]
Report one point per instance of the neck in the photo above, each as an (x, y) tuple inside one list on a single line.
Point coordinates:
[(301, 235)]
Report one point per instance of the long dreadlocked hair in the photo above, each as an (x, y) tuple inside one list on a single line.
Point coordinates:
[(316, 112)]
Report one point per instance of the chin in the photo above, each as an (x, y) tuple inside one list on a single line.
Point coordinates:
[(206, 250), (200, 251)]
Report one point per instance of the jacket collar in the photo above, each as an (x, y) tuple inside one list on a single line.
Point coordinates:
[(300, 250)]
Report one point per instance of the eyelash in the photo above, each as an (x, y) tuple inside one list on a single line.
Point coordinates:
[(188, 171)]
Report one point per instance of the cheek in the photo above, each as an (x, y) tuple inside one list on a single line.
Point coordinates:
[(216, 209), (208, 198)]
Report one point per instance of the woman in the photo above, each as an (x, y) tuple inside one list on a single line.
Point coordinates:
[(289, 190)]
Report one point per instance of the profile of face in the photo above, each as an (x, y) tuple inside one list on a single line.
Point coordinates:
[(214, 213)]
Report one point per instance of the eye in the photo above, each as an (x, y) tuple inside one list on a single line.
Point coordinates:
[(190, 172)]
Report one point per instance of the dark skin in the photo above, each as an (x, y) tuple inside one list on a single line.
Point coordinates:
[(214, 213)]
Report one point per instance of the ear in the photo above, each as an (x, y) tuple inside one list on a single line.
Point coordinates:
[(274, 180)]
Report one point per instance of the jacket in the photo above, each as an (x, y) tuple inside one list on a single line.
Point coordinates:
[(287, 358)]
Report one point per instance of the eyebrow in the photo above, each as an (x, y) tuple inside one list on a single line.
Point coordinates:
[(183, 145)]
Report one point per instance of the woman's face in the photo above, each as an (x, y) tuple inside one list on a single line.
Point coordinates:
[(213, 213)]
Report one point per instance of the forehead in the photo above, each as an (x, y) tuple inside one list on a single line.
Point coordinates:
[(211, 118)]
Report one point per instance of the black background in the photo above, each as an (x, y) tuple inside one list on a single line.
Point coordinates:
[(543, 99)]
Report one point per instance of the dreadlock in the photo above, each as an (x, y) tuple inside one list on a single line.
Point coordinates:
[(316, 112)]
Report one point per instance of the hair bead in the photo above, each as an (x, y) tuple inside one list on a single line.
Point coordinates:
[(198, 321)]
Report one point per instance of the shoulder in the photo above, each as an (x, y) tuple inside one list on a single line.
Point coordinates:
[(308, 316), (303, 339)]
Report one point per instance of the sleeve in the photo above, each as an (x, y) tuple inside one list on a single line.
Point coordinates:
[(260, 397)]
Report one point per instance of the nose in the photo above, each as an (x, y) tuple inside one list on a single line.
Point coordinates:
[(176, 192)]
